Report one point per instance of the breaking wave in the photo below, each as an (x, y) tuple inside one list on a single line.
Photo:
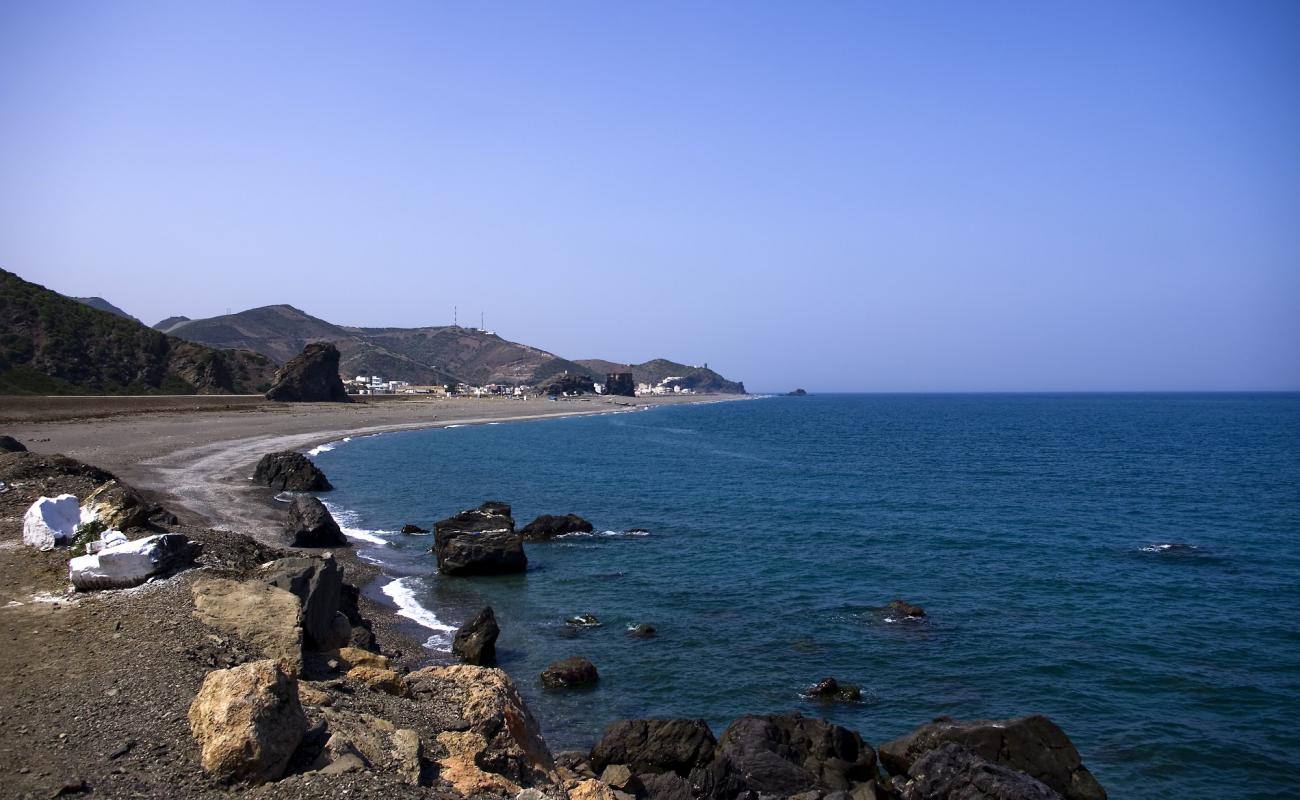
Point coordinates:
[(402, 593)]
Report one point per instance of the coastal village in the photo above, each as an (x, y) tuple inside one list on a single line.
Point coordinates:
[(563, 385)]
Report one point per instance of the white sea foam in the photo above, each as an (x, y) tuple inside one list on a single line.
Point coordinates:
[(347, 520), (286, 497), (324, 448), (403, 593), (1166, 547), (449, 427), (611, 534)]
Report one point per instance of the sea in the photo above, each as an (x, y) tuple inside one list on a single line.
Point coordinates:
[(1127, 564)]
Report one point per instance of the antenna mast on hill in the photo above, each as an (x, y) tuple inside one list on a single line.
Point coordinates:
[(455, 317), (480, 321)]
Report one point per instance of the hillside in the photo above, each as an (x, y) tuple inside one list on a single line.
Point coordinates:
[(436, 354), (103, 305), (51, 344), (700, 379), (167, 325)]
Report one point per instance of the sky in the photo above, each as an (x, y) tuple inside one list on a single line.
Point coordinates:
[(857, 196)]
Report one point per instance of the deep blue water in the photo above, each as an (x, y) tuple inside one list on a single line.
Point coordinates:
[(1026, 525)]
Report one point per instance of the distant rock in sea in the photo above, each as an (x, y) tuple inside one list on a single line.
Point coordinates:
[(797, 393), (310, 377)]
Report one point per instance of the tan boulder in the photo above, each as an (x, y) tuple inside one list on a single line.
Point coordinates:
[(502, 751), (263, 616), (349, 657), (117, 506), (591, 789), (311, 696), (364, 741), (378, 679), (247, 721)]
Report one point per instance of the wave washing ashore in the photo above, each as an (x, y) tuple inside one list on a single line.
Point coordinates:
[(1087, 557)]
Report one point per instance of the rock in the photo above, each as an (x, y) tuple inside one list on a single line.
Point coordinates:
[(620, 383), (785, 754), (312, 376), (357, 741), (665, 786), (247, 721), (117, 506), (349, 605), (575, 762), (475, 642), (310, 524), (831, 689), (952, 771), (591, 789), (377, 679), (548, 526), (569, 384), (583, 621), (619, 776), (350, 657), (905, 610), (655, 745), (1033, 745), (571, 673), (263, 616), (641, 631), (288, 471), (9, 444), (129, 564), (408, 528), (408, 753), (480, 541), (797, 393), (500, 748), (51, 521), (318, 585), (311, 696)]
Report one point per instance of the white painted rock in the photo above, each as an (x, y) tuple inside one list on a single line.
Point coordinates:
[(51, 521), (130, 563)]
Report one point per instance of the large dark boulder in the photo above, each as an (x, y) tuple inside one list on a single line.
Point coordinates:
[(831, 690), (476, 641), (312, 376), (310, 524), (9, 444), (318, 583), (479, 541), (1033, 745), (288, 471), (620, 383), (549, 526), (571, 673), (786, 754), (655, 745), (952, 771)]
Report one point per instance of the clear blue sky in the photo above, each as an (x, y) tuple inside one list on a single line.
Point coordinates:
[(840, 196)]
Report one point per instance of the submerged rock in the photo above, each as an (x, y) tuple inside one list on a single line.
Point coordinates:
[(247, 721), (549, 526), (311, 525), (583, 621), (905, 610), (125, 564), (412, 529), (51, 521), (641, 631), (288, 471), (571, 673), (833, 690), (1033, 745), (312, 376), (476, 641), (479, 541)]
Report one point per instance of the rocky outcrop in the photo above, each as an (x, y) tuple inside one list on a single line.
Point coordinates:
[(311, 525), (247, 721), (9, 444), (785, 755), (621, 384), (642, 631), (1033, 745), (132, 563), (569, 384), (51, 521), (476, 641), (310, 377), (499, 747), (288, 471), (549, 526), (318, 585), (409, 528), (904, 610), (479, 541), (952, 771), (117, 506), (655, 745), (264, 616), (570, 673), (797, 393), (357, 741), (832, 690)]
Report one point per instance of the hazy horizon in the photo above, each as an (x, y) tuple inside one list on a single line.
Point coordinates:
[(841, 197)]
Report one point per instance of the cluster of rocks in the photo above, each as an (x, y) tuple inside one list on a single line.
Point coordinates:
[(483, 540), (791, 756), (309, 522)]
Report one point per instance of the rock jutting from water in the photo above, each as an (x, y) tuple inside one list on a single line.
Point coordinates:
[(289, 471), (550, 526), (309, 524), (835, 691), (570, 673), (475, 642), (479, 541), (312, 376)]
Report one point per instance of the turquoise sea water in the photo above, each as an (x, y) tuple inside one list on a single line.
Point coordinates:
[(1035, 530)]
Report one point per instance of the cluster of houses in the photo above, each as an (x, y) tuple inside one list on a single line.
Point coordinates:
[(615, 383)]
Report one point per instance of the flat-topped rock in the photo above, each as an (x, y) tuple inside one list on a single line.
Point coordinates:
[(549, 526), (479, 541)]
